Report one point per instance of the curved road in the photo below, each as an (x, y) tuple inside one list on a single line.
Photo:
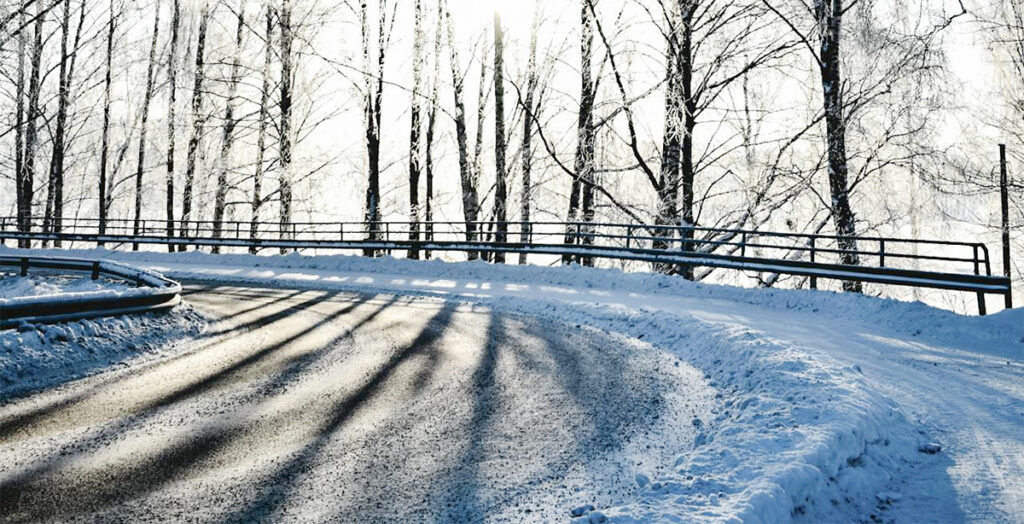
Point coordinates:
[(312, 405)]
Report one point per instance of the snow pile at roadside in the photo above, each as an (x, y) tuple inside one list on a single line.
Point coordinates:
[(34, 357), (791, 433), (794, 432), (36, 285)]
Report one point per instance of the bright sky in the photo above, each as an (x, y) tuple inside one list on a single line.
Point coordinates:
[(515, 14)]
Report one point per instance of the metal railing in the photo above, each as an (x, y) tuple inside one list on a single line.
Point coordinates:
[(961, 266), (155, 292)]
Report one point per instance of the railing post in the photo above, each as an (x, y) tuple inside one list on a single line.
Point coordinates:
[(743, 245), (814, 279), (341, 232), (881, 253), (977, 271), (95, 270), (629, 237), (24, 266)]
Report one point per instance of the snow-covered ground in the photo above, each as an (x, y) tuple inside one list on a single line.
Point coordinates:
[(34, 357), (36, 285), (829, 407)]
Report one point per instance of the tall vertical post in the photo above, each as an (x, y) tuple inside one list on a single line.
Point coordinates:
[(1004, 204)]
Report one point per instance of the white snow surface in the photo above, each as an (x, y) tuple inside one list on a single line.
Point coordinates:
[(829, 407), (35, 285)]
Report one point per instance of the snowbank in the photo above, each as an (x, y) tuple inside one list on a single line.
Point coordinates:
[(795, 431), (38, 356), (36, 286)]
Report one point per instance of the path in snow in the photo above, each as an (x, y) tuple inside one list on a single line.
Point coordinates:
[(316, 404)]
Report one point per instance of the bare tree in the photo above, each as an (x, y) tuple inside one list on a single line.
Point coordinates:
[(374, 97), (55, 186), (19, 126), (843, 99), (105, 133), (500, 190), (415, 147), (284, 22), (529, 110), (261, 129), (428, 207), (470, 202), (172, 93), (230, 123), (582, 189), (147, 98), (26, 176), (829, 17), (198, 121)]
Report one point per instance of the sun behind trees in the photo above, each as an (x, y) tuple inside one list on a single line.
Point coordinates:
[(843, 119)]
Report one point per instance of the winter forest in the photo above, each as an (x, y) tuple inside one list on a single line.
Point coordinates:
[(845, 117)]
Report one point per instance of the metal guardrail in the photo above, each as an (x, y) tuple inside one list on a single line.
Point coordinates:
[(960, 266), (154, 293)]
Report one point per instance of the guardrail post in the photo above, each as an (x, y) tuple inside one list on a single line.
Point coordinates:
[(629, 237), (881, 253), (24, 267), (814, 279), (743, 245), (96, 270)]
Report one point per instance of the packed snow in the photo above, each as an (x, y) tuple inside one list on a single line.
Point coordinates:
[(829, 407)]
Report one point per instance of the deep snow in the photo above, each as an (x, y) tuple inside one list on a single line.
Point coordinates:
[(828, 405)]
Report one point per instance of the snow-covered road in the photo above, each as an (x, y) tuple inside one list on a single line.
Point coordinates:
[(317, 405), (958, 380), (825, 405)]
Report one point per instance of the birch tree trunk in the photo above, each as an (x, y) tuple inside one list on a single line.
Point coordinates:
[(374, 98), (284, 23), (261, 131), (689, 103), (19, 117), (470, 203), (172, 81), (415, 128), (198, 122), (529, 111), (829, 14), (671, 148), (500, 190), (53, 186), (583, 166), (147, 98), (105, 132), (26, 178), (228, 138), (428, 208)]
